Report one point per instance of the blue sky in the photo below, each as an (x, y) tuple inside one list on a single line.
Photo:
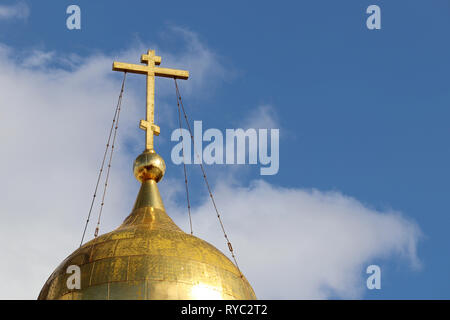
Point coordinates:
[(361, 112)]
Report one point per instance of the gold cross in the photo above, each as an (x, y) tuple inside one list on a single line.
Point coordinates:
[(151, 71)]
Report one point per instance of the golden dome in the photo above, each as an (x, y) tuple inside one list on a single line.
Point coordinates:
[(149, 256)]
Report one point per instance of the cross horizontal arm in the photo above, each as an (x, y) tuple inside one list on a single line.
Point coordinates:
[(171, 73), (141, 69), (129, 67)]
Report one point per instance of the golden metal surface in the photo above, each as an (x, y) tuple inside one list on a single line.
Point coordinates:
[(151, 71), (149, 256), (149, 165)]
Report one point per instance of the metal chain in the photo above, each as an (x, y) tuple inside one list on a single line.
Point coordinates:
[(184, 166), (230, 247), (119, 104), (103, 161)]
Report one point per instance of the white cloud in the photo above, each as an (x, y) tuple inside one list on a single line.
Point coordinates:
[(303, 244), (294, 243), (19, 10), (262, 117), (206, 67), (38, 59), (54, 118), (53, 127)]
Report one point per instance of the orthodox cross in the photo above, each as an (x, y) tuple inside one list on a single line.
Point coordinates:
[(151, 71)]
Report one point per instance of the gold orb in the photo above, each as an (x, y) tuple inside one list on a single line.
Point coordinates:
[(149, 165)]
